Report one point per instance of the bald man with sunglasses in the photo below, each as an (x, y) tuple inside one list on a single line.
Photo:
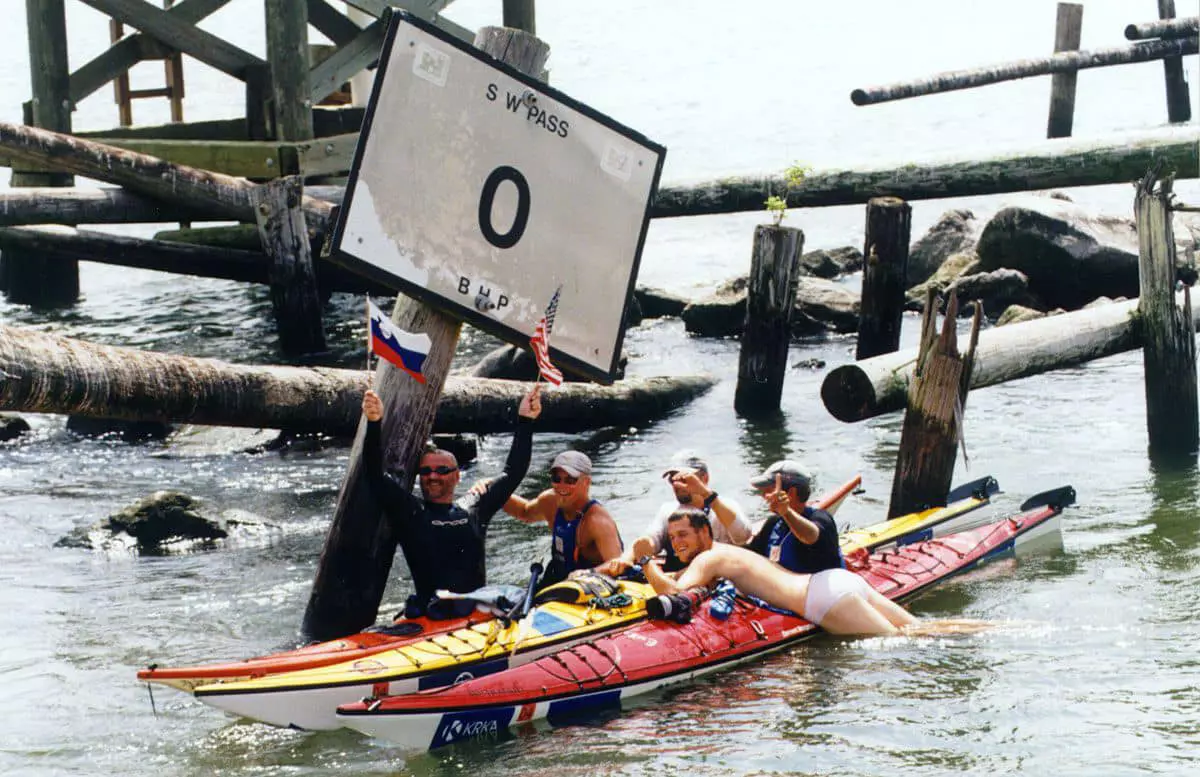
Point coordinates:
[(443, 538)]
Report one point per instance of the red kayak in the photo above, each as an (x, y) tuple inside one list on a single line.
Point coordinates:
[(600, 672)]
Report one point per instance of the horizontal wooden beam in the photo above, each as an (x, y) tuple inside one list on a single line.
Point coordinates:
[(181, 258), (259, 160), (1046, 165), (326, 156), (1051, 164), (213, 129), (112, 205), (331, 72), (187, 38), (1063, 62), (148, 175), (1164, 28)]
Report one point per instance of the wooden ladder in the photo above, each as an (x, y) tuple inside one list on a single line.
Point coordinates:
[(173, 67)]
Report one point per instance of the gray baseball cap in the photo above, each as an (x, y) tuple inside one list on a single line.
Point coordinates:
[(573, 463), (791, 473), (684, 460)]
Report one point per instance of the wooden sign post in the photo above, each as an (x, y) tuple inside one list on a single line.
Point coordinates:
[(357, 559), (481, 193)]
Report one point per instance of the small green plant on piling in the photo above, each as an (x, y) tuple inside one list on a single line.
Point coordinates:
[(793, 178)]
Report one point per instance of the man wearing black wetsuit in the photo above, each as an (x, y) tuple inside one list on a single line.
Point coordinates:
[(443, 538), (798, 537)]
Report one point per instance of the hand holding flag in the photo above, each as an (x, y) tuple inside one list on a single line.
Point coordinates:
[(403, 349), (541, 342)]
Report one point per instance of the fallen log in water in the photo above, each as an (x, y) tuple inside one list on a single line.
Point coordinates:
[(872, 387), (42, 373)]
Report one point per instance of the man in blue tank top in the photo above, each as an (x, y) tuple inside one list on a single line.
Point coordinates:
[(583, 533), (797, 537)]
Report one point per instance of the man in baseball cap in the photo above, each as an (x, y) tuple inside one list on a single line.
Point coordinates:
[(688, 477), (584, 534), (797, 537)]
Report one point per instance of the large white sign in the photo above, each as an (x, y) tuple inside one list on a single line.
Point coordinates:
[(481, 191)]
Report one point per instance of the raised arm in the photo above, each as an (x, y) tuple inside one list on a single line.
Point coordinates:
[(727, 512), (390, 493), (498, 492), (802, 528)]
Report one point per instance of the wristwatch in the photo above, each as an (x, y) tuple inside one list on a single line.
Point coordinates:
[(644, 560), (708, 500)]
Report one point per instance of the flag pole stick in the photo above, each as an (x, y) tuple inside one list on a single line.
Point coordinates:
[(370, 380)]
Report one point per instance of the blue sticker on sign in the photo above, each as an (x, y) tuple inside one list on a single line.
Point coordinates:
[(459, 726)]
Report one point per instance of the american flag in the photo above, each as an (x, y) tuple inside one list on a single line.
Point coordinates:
[(541, 342)]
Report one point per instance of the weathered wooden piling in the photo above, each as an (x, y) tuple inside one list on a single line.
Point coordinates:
[(294, 294), (1067, 61), (770, 299), (885, 271), (287, 56), (520, 15), (354, 566), (46, 373), (24, 278), (933, 424), (1068, 31), (1179, 99), (1169, 349)]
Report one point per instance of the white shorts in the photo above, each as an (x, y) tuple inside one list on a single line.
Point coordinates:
[(828, 587)]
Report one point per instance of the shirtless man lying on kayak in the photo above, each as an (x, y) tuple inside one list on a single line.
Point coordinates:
[(835, 599)]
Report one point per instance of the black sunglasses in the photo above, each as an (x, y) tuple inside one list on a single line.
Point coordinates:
[(441, 469), (557, 478)]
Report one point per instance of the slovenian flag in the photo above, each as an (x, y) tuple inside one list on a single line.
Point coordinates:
[(403, 349)]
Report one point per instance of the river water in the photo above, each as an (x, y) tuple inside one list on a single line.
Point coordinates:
[(1096, 670)]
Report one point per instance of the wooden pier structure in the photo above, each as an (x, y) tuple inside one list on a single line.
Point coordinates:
[(279, 169)]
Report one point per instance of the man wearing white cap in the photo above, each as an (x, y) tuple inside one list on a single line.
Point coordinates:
[(798, 537), (688, 477), (583, 533)]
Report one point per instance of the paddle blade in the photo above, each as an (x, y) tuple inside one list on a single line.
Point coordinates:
[(983, 488), (1060, 497)]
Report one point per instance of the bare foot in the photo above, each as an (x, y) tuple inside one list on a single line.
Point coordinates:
[(933, 628)]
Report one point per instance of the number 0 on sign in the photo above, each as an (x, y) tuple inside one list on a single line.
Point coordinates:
[(481, 191)]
